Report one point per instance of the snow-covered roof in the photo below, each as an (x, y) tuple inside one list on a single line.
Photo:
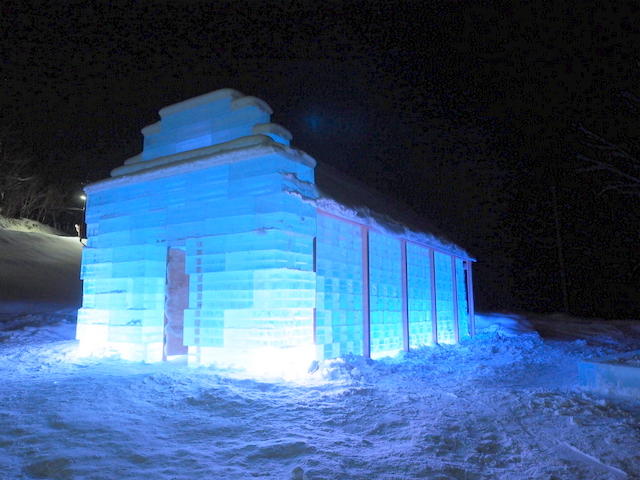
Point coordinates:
[(226, 126), (346, 197)]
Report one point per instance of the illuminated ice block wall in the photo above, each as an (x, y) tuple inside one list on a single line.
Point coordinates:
[(339, 306), (379, 294), (210, 246), (385, 294), (206, 212)]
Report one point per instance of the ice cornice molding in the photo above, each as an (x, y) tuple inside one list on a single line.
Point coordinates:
[(200, 100), (264, 129), (234, 151), (272, 128), (238, 101)]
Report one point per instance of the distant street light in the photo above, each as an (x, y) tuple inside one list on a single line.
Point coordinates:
[(81, 227)]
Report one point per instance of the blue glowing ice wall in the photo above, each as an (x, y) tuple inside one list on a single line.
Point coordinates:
[(210, 211), (419, 296), (378, 293), (385, 297), (339, 307), (209, 246)]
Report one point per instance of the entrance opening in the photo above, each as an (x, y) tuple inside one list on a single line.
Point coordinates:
[(176, 301)]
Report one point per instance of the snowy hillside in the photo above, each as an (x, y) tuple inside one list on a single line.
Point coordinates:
[(26, 225), (505, 405), (39, 271)]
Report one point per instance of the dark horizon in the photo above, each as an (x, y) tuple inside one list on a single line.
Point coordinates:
[(469, 115)]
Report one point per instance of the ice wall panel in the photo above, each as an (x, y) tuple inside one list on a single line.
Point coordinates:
[(463, 306), (385, 294), (339, 288), (114, 325), (419, 296), (444, 298), (257, 249), (123, 296), (247, 268)]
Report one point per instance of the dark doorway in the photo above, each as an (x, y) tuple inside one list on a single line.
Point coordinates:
[(176, 300)]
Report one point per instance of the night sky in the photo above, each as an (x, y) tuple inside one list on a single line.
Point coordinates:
[(469, 114)]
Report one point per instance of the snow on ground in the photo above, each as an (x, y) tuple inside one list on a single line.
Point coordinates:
[(26, 225), (503, 405)]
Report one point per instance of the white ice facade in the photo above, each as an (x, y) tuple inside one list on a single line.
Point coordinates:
[(215, 245)]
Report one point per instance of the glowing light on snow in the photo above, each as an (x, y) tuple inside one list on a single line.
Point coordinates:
[(291, 364), (92, 339)]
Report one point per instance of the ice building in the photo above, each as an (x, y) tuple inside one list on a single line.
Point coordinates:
[(221, 243)]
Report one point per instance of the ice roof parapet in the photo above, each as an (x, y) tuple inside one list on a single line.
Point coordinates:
[(210, 119)]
